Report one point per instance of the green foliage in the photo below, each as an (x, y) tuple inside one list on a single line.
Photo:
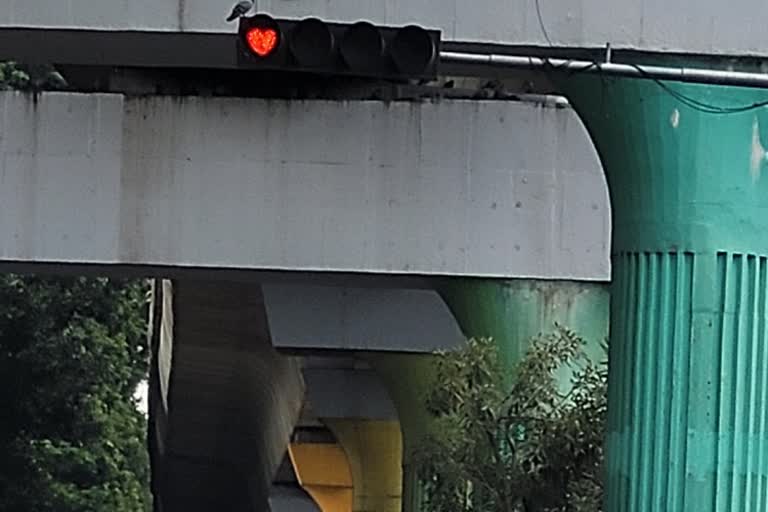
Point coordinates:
[(520, 446), (72, 351), (12, 76), (34, 77)]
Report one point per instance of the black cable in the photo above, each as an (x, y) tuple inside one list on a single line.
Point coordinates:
[(686, 100), (541, 23), (700, 105)]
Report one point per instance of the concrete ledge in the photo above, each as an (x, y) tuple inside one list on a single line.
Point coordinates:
[(496, 189)]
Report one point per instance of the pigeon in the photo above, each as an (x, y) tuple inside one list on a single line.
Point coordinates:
[(240, 9)]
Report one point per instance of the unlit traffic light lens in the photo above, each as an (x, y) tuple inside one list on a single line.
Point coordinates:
[(311, 43), (362, 47), (412, 50)]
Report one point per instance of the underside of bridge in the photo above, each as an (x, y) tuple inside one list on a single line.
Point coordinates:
[(225, 404), (687, 426)]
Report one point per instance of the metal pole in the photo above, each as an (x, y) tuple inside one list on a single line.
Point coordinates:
[(679, 74)]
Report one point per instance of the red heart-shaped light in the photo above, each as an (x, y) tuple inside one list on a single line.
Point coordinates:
[(262, 41)]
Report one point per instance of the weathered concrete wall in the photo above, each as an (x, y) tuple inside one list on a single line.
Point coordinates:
[(675, 25), (232, 401), (498, 189)]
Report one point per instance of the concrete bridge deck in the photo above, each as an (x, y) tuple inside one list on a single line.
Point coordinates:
[(464, 188)]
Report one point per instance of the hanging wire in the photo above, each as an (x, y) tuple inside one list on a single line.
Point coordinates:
[(541, 23), (693, 103), (701, 106)]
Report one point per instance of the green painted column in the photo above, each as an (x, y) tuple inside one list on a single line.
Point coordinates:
[(512, 312), (688, 404)]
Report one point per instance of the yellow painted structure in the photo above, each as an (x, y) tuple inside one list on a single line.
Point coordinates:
[(374, 450), (323, 471)]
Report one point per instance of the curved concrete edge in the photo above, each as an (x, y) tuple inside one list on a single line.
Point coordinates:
[(687, 420), (374, 450), (408, 377), (232, 400)]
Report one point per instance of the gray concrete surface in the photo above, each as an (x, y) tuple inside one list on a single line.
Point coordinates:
[(359, 318), (291, 499), (229, 403), (489, 188), (347, 393), (674, 25)]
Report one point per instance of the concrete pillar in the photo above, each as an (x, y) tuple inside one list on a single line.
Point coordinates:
[(223, 401), (407, 378), (687, 427), (374, 451), (512, 312)]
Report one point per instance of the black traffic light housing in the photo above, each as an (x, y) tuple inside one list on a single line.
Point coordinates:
[(356, 49)]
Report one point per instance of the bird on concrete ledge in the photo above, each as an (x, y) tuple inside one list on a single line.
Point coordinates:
[(240, 9)]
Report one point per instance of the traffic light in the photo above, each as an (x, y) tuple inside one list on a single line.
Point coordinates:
[(357, 49)]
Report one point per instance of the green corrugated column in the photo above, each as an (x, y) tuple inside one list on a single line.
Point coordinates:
[(688, 404)]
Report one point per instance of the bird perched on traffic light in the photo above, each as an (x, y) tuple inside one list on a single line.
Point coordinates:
[(240, 9)]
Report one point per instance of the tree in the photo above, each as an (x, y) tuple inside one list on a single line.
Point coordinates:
[(30, 77), (525, 445), (72, 351)]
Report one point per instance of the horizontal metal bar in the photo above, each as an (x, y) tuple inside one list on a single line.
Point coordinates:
[(679, 74)]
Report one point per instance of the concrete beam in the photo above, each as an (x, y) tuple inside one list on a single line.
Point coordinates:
[(494, 189), (711, 28), (336, 393), (359, 319)]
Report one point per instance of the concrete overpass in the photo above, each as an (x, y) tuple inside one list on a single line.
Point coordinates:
[(456, 199), (355, 249)]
